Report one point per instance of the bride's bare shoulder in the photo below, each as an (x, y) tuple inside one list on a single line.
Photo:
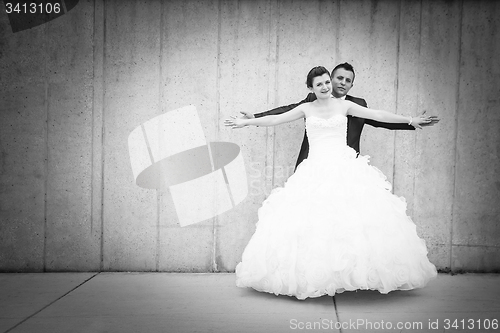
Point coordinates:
[(308, 105)]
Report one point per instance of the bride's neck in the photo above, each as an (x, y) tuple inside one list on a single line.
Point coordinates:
[(324, 101)]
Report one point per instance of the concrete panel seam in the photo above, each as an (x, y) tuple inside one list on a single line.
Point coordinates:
[(457, 92), (217, 109), (396, 91), (337, 42), (415, 145), (103, 131), (46, 162), (96, 194), (160, 87), (158, 234), (276, 74)]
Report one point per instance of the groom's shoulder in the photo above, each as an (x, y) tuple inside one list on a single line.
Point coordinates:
[(356, 100), (311, 97)]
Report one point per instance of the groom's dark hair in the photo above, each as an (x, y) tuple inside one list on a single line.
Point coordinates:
[(347, 66)]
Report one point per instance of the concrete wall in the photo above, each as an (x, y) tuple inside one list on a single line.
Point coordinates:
[(73, 89)]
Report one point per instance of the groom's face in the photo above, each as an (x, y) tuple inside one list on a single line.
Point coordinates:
[(341, 82)]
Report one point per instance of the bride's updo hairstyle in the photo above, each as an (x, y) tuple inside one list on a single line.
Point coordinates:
[(316, 71)]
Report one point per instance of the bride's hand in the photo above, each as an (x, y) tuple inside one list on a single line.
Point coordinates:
[(422, 120), (430, 120), (234, 122)]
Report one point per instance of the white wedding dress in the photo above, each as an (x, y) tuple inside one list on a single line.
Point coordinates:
[(334, 226)]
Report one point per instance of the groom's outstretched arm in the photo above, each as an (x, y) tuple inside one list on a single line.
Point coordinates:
[(282, 109), (431, 121), (400, 126), (375, 123), (391, 126)]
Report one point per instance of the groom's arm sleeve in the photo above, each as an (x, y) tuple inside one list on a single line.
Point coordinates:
[(286, 108), (391, 126)]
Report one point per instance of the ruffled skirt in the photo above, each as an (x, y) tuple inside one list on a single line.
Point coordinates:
[(334, 226)]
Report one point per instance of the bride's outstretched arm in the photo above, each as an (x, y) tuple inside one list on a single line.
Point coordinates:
[(386, 117), (273, 120)]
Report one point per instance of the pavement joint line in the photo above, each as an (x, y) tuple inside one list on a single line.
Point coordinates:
[(336, 312), (46, 306)]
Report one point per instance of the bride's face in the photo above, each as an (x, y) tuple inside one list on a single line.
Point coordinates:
[(322, 86)]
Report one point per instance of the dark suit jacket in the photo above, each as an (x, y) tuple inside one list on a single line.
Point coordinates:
[(354, 125)]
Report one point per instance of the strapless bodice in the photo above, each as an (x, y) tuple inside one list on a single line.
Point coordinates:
[(327, 136)]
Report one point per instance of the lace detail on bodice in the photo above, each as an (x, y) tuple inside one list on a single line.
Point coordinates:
[(336, 120), (326, 136)]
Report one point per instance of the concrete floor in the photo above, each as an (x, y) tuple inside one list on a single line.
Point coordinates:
[(177, 303)]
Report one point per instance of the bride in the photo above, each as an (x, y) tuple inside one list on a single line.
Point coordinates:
[(334, 225)]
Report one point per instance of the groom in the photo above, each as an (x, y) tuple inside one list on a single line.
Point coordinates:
[(342, 80)]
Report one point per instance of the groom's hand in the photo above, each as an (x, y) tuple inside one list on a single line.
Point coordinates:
[(247, 114)]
